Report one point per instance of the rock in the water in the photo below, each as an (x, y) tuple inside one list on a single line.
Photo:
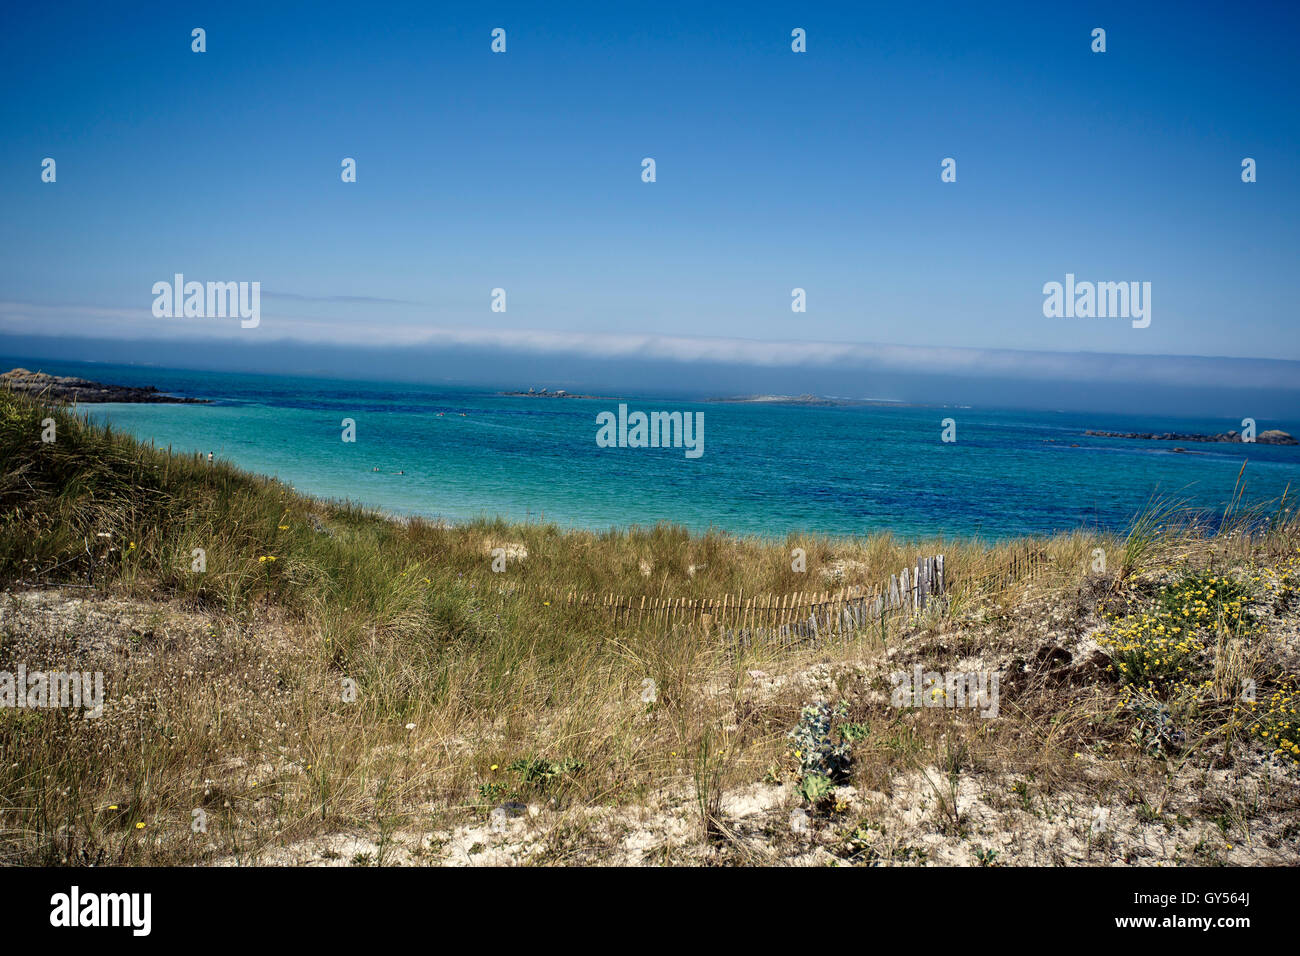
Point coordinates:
[(62, 388), (1273, 436)]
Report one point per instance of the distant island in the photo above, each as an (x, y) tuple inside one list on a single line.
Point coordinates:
[(62, 388), (553, 393), (1273, 436), (817, 401)]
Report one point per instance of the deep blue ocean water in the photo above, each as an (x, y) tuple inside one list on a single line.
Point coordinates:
[(766, 469)]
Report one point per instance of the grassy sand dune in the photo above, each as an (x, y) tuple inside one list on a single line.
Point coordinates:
[(336, 686)]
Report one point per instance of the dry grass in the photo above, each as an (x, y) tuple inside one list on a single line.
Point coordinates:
[(226, 687)]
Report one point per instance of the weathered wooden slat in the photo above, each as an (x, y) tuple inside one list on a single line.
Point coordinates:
[(815, 614)]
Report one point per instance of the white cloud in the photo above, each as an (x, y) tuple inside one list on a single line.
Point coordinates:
[(133, 324)]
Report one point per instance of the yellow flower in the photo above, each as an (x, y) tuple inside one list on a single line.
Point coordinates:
[(140, 826)]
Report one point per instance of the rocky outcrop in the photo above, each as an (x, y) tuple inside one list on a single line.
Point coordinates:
[(1273, 436), (61, 388)]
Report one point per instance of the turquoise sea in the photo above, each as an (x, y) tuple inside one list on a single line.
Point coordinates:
[(766, 469)]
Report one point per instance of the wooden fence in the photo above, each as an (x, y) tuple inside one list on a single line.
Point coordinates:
[(806, 614)]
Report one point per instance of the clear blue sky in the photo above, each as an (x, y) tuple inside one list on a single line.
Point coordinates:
[(775, 170)]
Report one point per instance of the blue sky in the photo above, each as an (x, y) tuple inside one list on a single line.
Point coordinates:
[(775, 170)]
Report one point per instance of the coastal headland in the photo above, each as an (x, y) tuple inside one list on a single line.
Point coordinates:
[(63, 388)]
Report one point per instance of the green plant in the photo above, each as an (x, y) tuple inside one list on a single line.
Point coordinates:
[(1154, 731), (851, 733), (541, 773), (815, 787), (986, 856), (822, 762), (492, 792), (1275, 723)]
